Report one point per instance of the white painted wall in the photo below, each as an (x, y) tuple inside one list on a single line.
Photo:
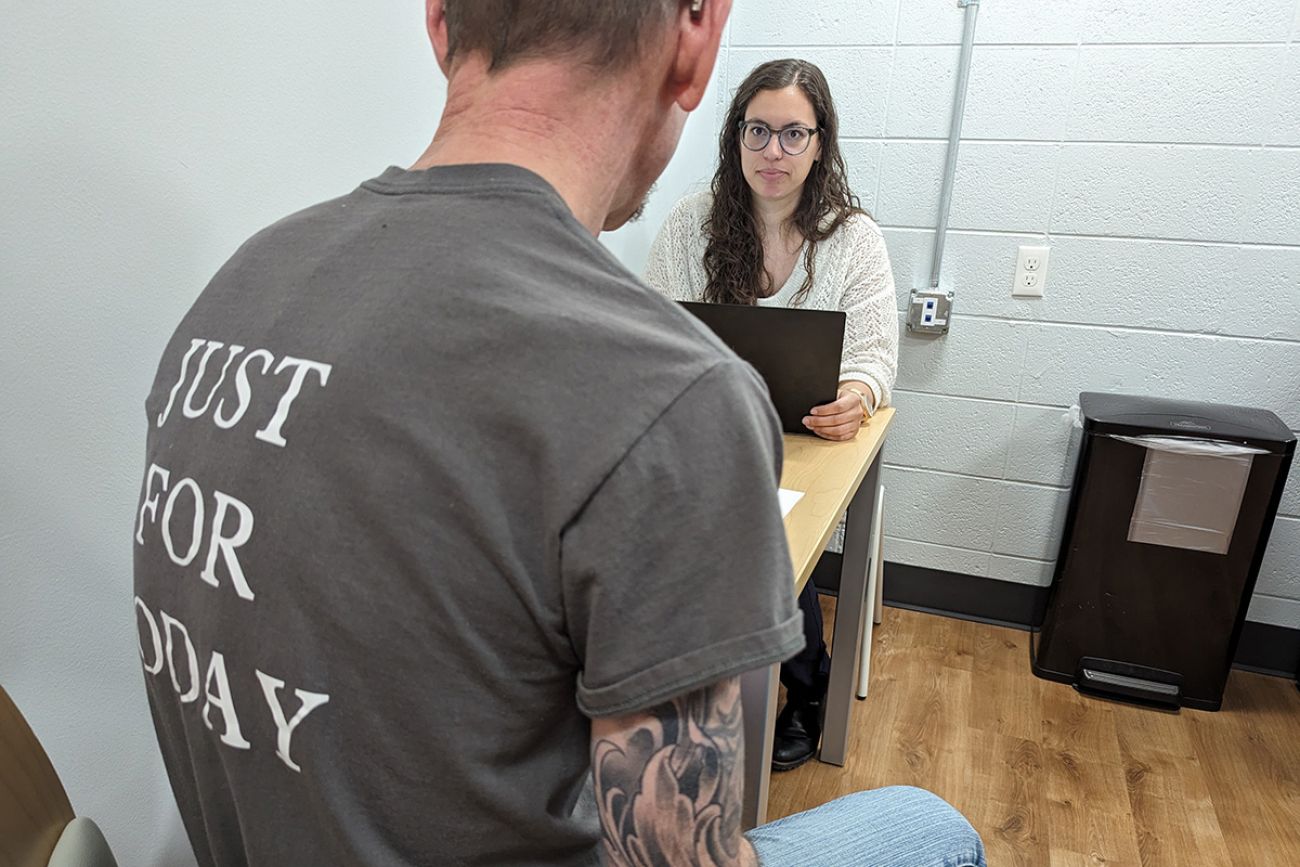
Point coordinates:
[(1156, 148), (140, 143)]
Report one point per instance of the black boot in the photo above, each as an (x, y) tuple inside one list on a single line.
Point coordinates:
[(798, 729)]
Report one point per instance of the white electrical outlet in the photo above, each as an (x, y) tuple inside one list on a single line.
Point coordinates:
[(1031, 272)]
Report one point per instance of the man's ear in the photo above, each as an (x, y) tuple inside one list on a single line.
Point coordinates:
[(435, 21), (698, 29)]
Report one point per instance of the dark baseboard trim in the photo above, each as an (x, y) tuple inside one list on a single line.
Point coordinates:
[(1004, 603), (1263, 648), (1268, 649)]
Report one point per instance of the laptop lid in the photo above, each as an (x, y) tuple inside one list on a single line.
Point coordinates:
[(797, 352)]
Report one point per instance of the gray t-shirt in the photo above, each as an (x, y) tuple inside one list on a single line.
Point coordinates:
[(431, 480)]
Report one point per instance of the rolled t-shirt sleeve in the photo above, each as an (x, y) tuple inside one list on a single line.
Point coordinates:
[(676, 572)]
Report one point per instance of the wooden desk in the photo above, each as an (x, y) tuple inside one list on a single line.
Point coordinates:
[(835, 479)]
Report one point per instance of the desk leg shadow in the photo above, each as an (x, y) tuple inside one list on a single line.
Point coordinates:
[(850, 607)]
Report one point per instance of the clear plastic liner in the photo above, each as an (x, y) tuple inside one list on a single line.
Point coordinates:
[(1191, 492)]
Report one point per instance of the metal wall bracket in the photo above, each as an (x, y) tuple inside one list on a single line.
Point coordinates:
[(929, 312)]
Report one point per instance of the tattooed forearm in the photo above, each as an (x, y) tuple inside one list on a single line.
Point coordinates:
[(669, 782)]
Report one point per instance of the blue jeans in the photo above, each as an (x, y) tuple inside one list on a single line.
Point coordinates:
[(897, 826)]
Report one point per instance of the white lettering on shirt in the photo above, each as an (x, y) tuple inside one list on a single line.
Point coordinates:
[(273, 431), (196, 532), (223, 701), (188, 409), (224, 523), (226, 545), (157, 664), (150, 504), (171, 625), (284, 730), (216, 688), (185, 366), (242, 389), (220, 542)]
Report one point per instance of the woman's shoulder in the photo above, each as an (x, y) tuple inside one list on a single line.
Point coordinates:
[(692, 208), (857, 245), (683, 227), (859, 230)]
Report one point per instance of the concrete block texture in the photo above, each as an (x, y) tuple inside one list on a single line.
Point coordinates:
[(1275, 610), (1015, 92), (1230, 21), (863, 161), (776, 22), (1279, 574), (1180, 93), (999, 186), (1197, 367), (1154, 191), (951, 434), (1043, 445), (1006, 21), (1284, 127), (941, 508), (1188, 287), (1290, 504), (945, 558), (977, 358), (1030, 518)]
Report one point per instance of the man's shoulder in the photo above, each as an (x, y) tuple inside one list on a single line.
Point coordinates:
[(635, 322)]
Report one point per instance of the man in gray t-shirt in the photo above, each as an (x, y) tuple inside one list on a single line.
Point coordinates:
[(445, 513)]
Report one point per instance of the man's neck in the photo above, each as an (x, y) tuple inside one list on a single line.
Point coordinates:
[(534, 116)]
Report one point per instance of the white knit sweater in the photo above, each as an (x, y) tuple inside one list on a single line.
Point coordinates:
[(853, 275)]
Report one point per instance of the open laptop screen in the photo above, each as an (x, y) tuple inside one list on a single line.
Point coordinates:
[(797, 352)]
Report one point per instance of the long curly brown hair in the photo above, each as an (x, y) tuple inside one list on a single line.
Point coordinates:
[(733, 259)]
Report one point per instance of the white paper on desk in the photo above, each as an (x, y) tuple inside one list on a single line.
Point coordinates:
[(788, 500)]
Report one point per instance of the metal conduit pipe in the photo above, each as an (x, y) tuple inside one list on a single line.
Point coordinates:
[(954, 137)]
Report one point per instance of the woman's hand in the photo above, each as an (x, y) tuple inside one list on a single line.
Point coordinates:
[(838, 421)]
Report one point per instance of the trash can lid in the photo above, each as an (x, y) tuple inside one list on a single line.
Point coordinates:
[(1132, 414)]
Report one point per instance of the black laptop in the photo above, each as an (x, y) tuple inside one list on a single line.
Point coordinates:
[(797, 352)]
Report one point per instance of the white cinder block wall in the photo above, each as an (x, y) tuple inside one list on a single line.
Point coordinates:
[(1156, 148)]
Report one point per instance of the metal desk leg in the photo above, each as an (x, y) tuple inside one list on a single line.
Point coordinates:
[(847, 644), (877, 611), (758, 690), (872, 616)]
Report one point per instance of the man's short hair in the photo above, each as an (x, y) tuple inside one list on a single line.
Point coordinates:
[(606, 34)]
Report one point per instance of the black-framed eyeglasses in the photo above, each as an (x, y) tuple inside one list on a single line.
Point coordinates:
[(794, 139)]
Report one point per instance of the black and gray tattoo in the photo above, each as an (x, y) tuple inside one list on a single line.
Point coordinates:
[(669, 786)]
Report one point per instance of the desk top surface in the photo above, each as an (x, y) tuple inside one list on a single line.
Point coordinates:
[(828, 474)]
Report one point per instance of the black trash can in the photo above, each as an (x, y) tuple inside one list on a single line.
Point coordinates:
[(1168, 521)]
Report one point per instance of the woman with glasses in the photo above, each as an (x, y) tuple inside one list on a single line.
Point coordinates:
[(779, 227)]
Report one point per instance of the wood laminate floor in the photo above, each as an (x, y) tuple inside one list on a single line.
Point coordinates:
[(1053, 779)]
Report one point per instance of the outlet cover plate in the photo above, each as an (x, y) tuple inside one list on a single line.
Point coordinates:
[(1031, 272), (929, 312)]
